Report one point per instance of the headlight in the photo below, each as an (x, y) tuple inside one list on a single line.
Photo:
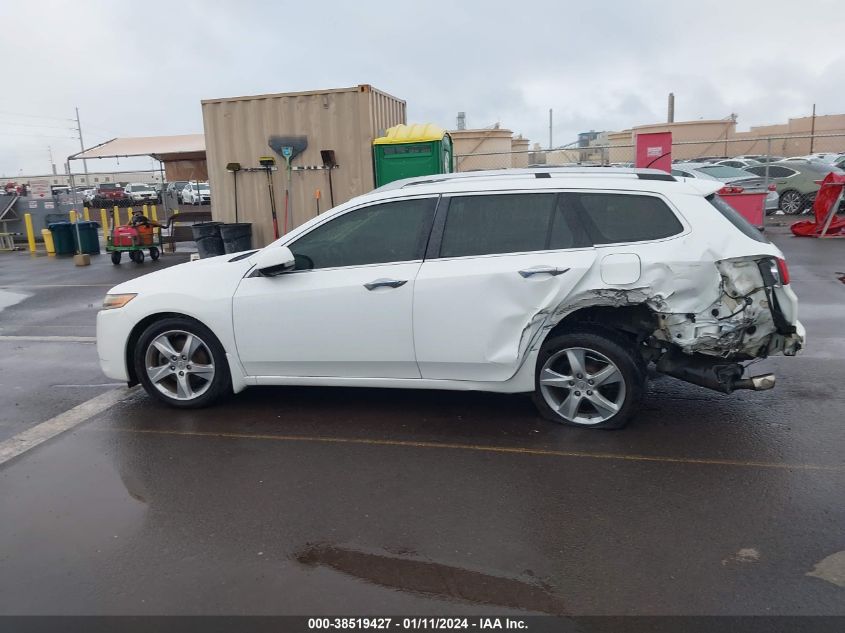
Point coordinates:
[(117, 301)]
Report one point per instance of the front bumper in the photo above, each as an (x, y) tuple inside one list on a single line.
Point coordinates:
[(113, 329)]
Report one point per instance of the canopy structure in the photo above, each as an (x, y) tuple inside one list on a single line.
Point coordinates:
[(163, 148), (181, 157)]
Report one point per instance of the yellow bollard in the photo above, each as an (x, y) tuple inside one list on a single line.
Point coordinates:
[(30, 234), (128, 215), (72, 216), (154, 211), (116, 216), (86, 214), (104, 219), (47, 236), (146, 211)]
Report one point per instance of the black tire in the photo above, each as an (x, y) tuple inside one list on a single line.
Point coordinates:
[(154, 253), (115, 257), (137, 256), (791, 202), (600, 345), (220, 385)]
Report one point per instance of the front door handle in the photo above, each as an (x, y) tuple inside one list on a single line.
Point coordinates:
[(389, 283), (542, 270)]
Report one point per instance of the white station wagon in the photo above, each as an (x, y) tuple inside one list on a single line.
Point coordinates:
[(562, 282)]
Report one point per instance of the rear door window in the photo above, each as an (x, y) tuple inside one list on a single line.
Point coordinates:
[(611, 218), (498, 223)]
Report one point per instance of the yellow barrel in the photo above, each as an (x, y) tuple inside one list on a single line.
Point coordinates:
[(47, 236)]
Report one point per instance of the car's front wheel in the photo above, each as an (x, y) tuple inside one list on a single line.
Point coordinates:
[(181, 362), (588, 379)]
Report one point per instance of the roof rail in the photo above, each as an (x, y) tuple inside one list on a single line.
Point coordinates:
[(537, 172)]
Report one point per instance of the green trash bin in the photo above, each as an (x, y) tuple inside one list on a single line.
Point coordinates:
[(88, 241), (63, 239)]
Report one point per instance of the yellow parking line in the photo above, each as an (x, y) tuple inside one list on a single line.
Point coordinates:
[(488, 449)]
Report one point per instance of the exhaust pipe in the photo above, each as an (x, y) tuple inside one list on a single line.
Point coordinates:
[(756, 383), (712, 373)]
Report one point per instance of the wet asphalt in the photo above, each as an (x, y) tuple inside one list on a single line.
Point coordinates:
[(326, 501)]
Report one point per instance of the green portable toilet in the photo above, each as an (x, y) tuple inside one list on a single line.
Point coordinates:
[(411, 150)]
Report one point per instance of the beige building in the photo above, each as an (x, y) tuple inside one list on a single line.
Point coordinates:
[(695, 139), (238, 130)]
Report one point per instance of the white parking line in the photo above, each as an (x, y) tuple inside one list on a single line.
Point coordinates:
[(51, 339), (29, 439)]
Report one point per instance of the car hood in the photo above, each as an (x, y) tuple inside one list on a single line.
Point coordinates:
[(191, 278)]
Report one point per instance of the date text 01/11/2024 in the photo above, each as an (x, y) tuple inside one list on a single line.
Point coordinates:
[(417, 623)]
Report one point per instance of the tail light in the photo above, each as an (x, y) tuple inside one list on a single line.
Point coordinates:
[(783, 271), (774, 272), (773, 187), (730, 189)]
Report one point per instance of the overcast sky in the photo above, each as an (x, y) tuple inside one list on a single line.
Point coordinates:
[(141, 68)]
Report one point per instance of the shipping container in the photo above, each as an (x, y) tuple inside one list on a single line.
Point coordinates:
[(238, 130)]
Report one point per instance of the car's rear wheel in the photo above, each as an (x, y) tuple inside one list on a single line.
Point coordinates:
[(791, 202), (588, 379), (180, 362)]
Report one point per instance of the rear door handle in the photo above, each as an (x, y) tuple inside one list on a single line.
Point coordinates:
[(542, 270), (389, 283)]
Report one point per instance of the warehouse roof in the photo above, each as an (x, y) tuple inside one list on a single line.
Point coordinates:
[(159, 147)]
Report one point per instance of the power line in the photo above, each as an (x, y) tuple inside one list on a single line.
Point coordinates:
[(36, 116), (38, 125), (37, 135)]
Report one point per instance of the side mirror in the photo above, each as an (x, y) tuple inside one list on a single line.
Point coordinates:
[(274, 261)]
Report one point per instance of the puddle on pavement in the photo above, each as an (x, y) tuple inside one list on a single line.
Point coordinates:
[(434, 579), (9, 298)]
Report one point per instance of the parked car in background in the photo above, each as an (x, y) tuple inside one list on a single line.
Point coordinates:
[(157, 187), (174, 189), (140, 193), (840, 162), (796, 181), (760, 158), (749, 181), (588, 276), (196, 193), (739, 163), (109, 194), (88, 196)]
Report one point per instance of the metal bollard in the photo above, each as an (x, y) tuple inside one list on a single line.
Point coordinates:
[(116, 216), (146, 211), (86, 214), (104, 218), (154, 211), (30, 234), (72, 215)]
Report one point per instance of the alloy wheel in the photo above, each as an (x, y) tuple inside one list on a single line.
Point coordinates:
[(180, 365), (791, 202), (582, 386)]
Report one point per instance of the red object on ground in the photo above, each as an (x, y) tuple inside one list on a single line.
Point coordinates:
[(827, 196), (654, 150), (125, 236), (751, 206)]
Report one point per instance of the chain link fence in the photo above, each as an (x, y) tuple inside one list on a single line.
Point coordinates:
[(795, 182)]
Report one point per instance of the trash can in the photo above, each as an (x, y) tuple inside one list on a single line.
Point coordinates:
[(237, 237), (63, 239), (88, 240), (207, 237)]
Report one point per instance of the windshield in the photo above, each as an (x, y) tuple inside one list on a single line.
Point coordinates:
[(724, 171), (141, 188)]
